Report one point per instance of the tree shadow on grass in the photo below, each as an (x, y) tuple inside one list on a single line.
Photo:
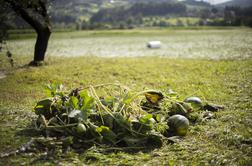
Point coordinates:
[(58, 147)]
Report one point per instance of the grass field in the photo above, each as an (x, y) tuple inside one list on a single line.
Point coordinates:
[(210, 43), (215, 65)]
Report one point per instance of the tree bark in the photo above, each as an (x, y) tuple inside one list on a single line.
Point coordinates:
[(42, 27), (43, 36)]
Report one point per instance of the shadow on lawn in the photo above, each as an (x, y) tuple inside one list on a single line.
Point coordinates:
[(41, 148)]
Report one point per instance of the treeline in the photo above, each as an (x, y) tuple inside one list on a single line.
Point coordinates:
[(158, 14), (133, 16), (229, 16), (237, 16)]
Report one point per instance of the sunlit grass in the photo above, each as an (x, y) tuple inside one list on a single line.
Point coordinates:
[(224, 140), (221, 82)]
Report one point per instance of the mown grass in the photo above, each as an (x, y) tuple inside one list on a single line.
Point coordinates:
[(204, 43), (224, 140)]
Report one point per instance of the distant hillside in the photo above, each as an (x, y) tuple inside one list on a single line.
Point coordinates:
[(67, 12), (196, 3), (241, 3), (136, 12)]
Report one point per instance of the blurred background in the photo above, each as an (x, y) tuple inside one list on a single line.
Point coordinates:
[(128, 14)]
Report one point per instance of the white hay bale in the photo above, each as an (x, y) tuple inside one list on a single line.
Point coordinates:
[(154, 44)]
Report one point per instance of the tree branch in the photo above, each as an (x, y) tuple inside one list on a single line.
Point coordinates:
[(44, 11)]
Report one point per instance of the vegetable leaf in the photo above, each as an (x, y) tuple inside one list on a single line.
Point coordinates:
[(74, 102), (88, 102)]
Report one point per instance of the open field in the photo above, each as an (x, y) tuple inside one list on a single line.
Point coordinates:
[(225, 79), (210, 43)]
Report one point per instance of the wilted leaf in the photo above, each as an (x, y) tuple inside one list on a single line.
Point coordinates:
[(154, 97), (212, 107)]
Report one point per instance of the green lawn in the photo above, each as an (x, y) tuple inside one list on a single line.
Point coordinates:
[(224, 140)]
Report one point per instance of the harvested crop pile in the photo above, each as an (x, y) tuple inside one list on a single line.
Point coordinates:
[(112, 114)]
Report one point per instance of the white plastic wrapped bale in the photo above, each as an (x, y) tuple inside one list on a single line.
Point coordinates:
[(154, 44)]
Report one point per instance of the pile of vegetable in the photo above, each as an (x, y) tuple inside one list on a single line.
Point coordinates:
[(111, 114)]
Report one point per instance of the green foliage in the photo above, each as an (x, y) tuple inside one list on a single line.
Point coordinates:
[(88, 114), (117, 119), (54, 89), (87, 101), (43, 106)]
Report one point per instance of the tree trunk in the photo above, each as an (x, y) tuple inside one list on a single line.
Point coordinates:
[(43, 36), (39, 21)]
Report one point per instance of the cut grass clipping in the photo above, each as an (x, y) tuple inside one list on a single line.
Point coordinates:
[(113, 115)]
